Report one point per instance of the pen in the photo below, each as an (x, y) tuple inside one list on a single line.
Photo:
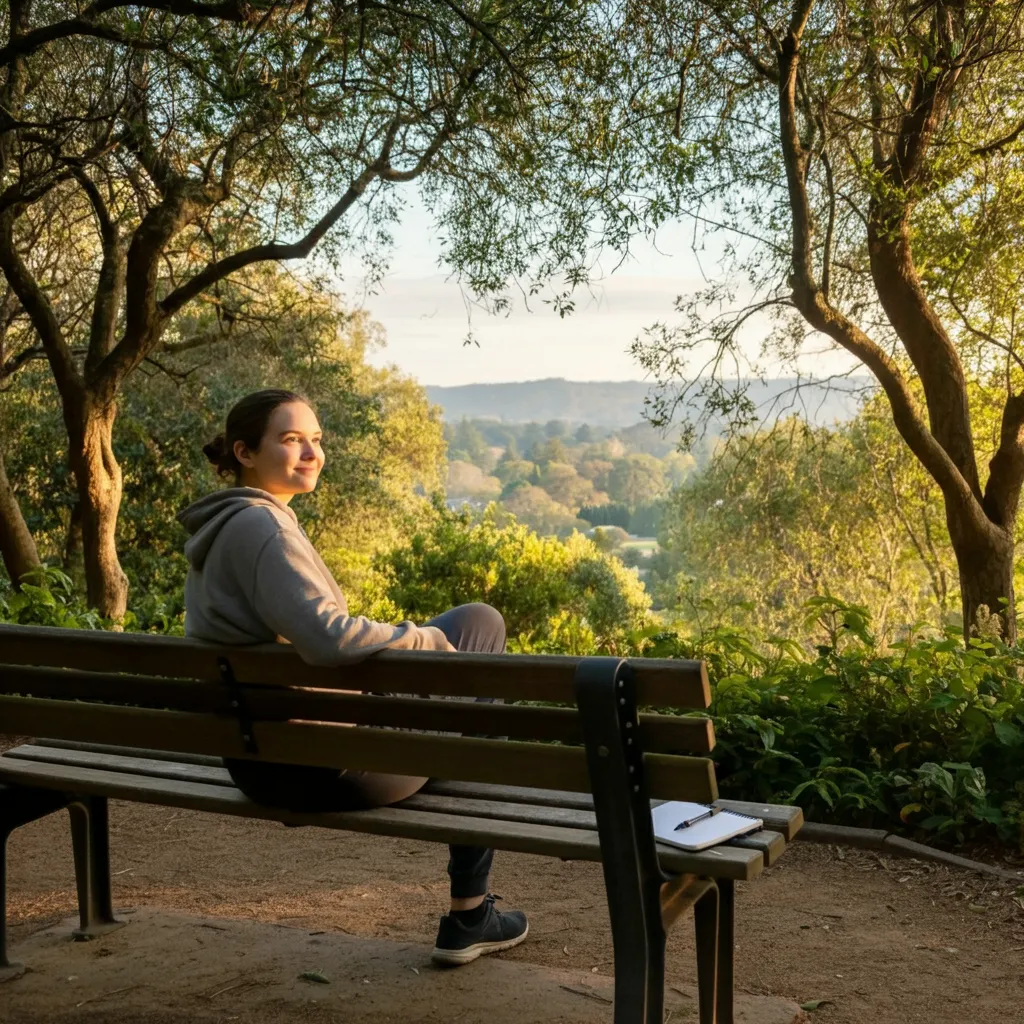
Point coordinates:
[(710, 813)]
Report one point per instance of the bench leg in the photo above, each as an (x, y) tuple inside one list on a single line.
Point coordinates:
[(90, 839), (639, 947), (633, 878), (8, 970), (726, 947), (706, 926), (18, 806)]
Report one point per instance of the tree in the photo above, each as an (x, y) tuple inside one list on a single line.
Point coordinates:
[(636, 480), (798, 512), (172, 146), (469, 445), (468, 481), (566, 486), (540, 512), (867, 159)]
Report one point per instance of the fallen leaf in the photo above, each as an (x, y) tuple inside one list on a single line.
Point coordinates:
[(590, 995), (415, 970), (565, 950), (315, 976), (816, 1004)]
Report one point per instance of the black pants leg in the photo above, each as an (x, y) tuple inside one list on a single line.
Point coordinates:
[(470, 627)]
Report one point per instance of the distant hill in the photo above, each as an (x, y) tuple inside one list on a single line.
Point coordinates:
[(618, 404)]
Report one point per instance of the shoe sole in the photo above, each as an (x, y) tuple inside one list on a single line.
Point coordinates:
[(457, 957)]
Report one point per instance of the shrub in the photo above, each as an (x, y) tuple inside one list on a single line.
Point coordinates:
[(925, 737), (556, 596)]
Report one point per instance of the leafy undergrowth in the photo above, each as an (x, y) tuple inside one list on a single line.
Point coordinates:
[(923, 737)]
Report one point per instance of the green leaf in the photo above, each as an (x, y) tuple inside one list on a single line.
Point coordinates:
[(316, 976), (1008, 734), (815, 1004)]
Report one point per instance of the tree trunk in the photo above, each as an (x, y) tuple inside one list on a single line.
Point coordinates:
[(74, 564), (985, 565), (98, 478), (17, 548)]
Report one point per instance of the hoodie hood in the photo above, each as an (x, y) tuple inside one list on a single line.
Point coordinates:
[(204, 519)]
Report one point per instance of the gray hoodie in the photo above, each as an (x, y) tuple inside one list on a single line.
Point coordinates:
[(254, 577)]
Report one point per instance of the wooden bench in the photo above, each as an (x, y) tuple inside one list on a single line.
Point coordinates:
[(147, 718)]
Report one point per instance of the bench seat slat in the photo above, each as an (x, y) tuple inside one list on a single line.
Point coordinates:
[(780, 818), (110, 748), (657, 732), (214, 775), (770, 844), (570, 843), (463, 758), (659, 682)]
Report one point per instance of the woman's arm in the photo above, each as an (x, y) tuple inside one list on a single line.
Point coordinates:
[(291, 596)]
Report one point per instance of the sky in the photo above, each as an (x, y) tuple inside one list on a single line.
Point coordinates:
[(426, 317)]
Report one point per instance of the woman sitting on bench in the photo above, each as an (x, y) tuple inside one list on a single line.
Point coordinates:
[(255, 577)]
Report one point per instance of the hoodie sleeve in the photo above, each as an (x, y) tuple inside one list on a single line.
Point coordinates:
[(290, 595)]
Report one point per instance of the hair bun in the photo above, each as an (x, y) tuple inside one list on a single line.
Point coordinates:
[(215, 450)]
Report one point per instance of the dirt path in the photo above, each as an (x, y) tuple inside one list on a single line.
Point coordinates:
[(883, 941)]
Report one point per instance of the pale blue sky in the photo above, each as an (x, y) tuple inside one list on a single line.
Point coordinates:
[(426, 318)]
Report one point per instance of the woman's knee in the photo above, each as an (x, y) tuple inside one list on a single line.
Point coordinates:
[(488, 620)]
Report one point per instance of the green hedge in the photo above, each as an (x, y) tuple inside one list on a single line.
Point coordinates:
[(925, 737)]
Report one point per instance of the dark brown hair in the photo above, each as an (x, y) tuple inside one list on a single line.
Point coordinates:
[(247, 422)]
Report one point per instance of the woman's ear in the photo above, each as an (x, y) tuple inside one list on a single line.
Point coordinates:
[(242, 454)]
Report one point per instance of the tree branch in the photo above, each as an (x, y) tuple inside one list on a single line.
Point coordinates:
[(1006, 140), (1006, 470), (110, 281), (85, 25), (35, 303)]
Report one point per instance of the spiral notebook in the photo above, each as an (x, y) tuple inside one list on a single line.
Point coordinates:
[(690, 827)]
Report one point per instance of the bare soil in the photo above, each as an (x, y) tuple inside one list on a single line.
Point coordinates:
[(876, 939)]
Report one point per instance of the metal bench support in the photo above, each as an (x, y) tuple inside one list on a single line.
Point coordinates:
[(90, 840), (19, 806)]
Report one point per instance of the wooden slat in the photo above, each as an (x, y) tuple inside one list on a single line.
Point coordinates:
[(142, 766), (660, 682), (658, 733), (460, 758), (780, 818), (569, 843), (109, 748), (513, 794), (769, 844)]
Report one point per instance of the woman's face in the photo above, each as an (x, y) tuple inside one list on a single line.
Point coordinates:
[(289, 458)]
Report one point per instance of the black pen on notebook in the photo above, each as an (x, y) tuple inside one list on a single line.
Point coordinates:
[(709, 813)]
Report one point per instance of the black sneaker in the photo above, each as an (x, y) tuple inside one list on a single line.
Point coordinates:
[(460, 944)]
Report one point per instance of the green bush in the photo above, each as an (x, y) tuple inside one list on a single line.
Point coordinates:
[(47, 598), (557, 596), (925, 737)]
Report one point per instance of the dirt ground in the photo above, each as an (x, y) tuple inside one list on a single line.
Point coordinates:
[(879, 940)]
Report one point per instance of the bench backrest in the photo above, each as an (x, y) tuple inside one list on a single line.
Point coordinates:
[(185, 696)]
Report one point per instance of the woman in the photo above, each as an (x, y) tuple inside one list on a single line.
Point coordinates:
[(254, 577)]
